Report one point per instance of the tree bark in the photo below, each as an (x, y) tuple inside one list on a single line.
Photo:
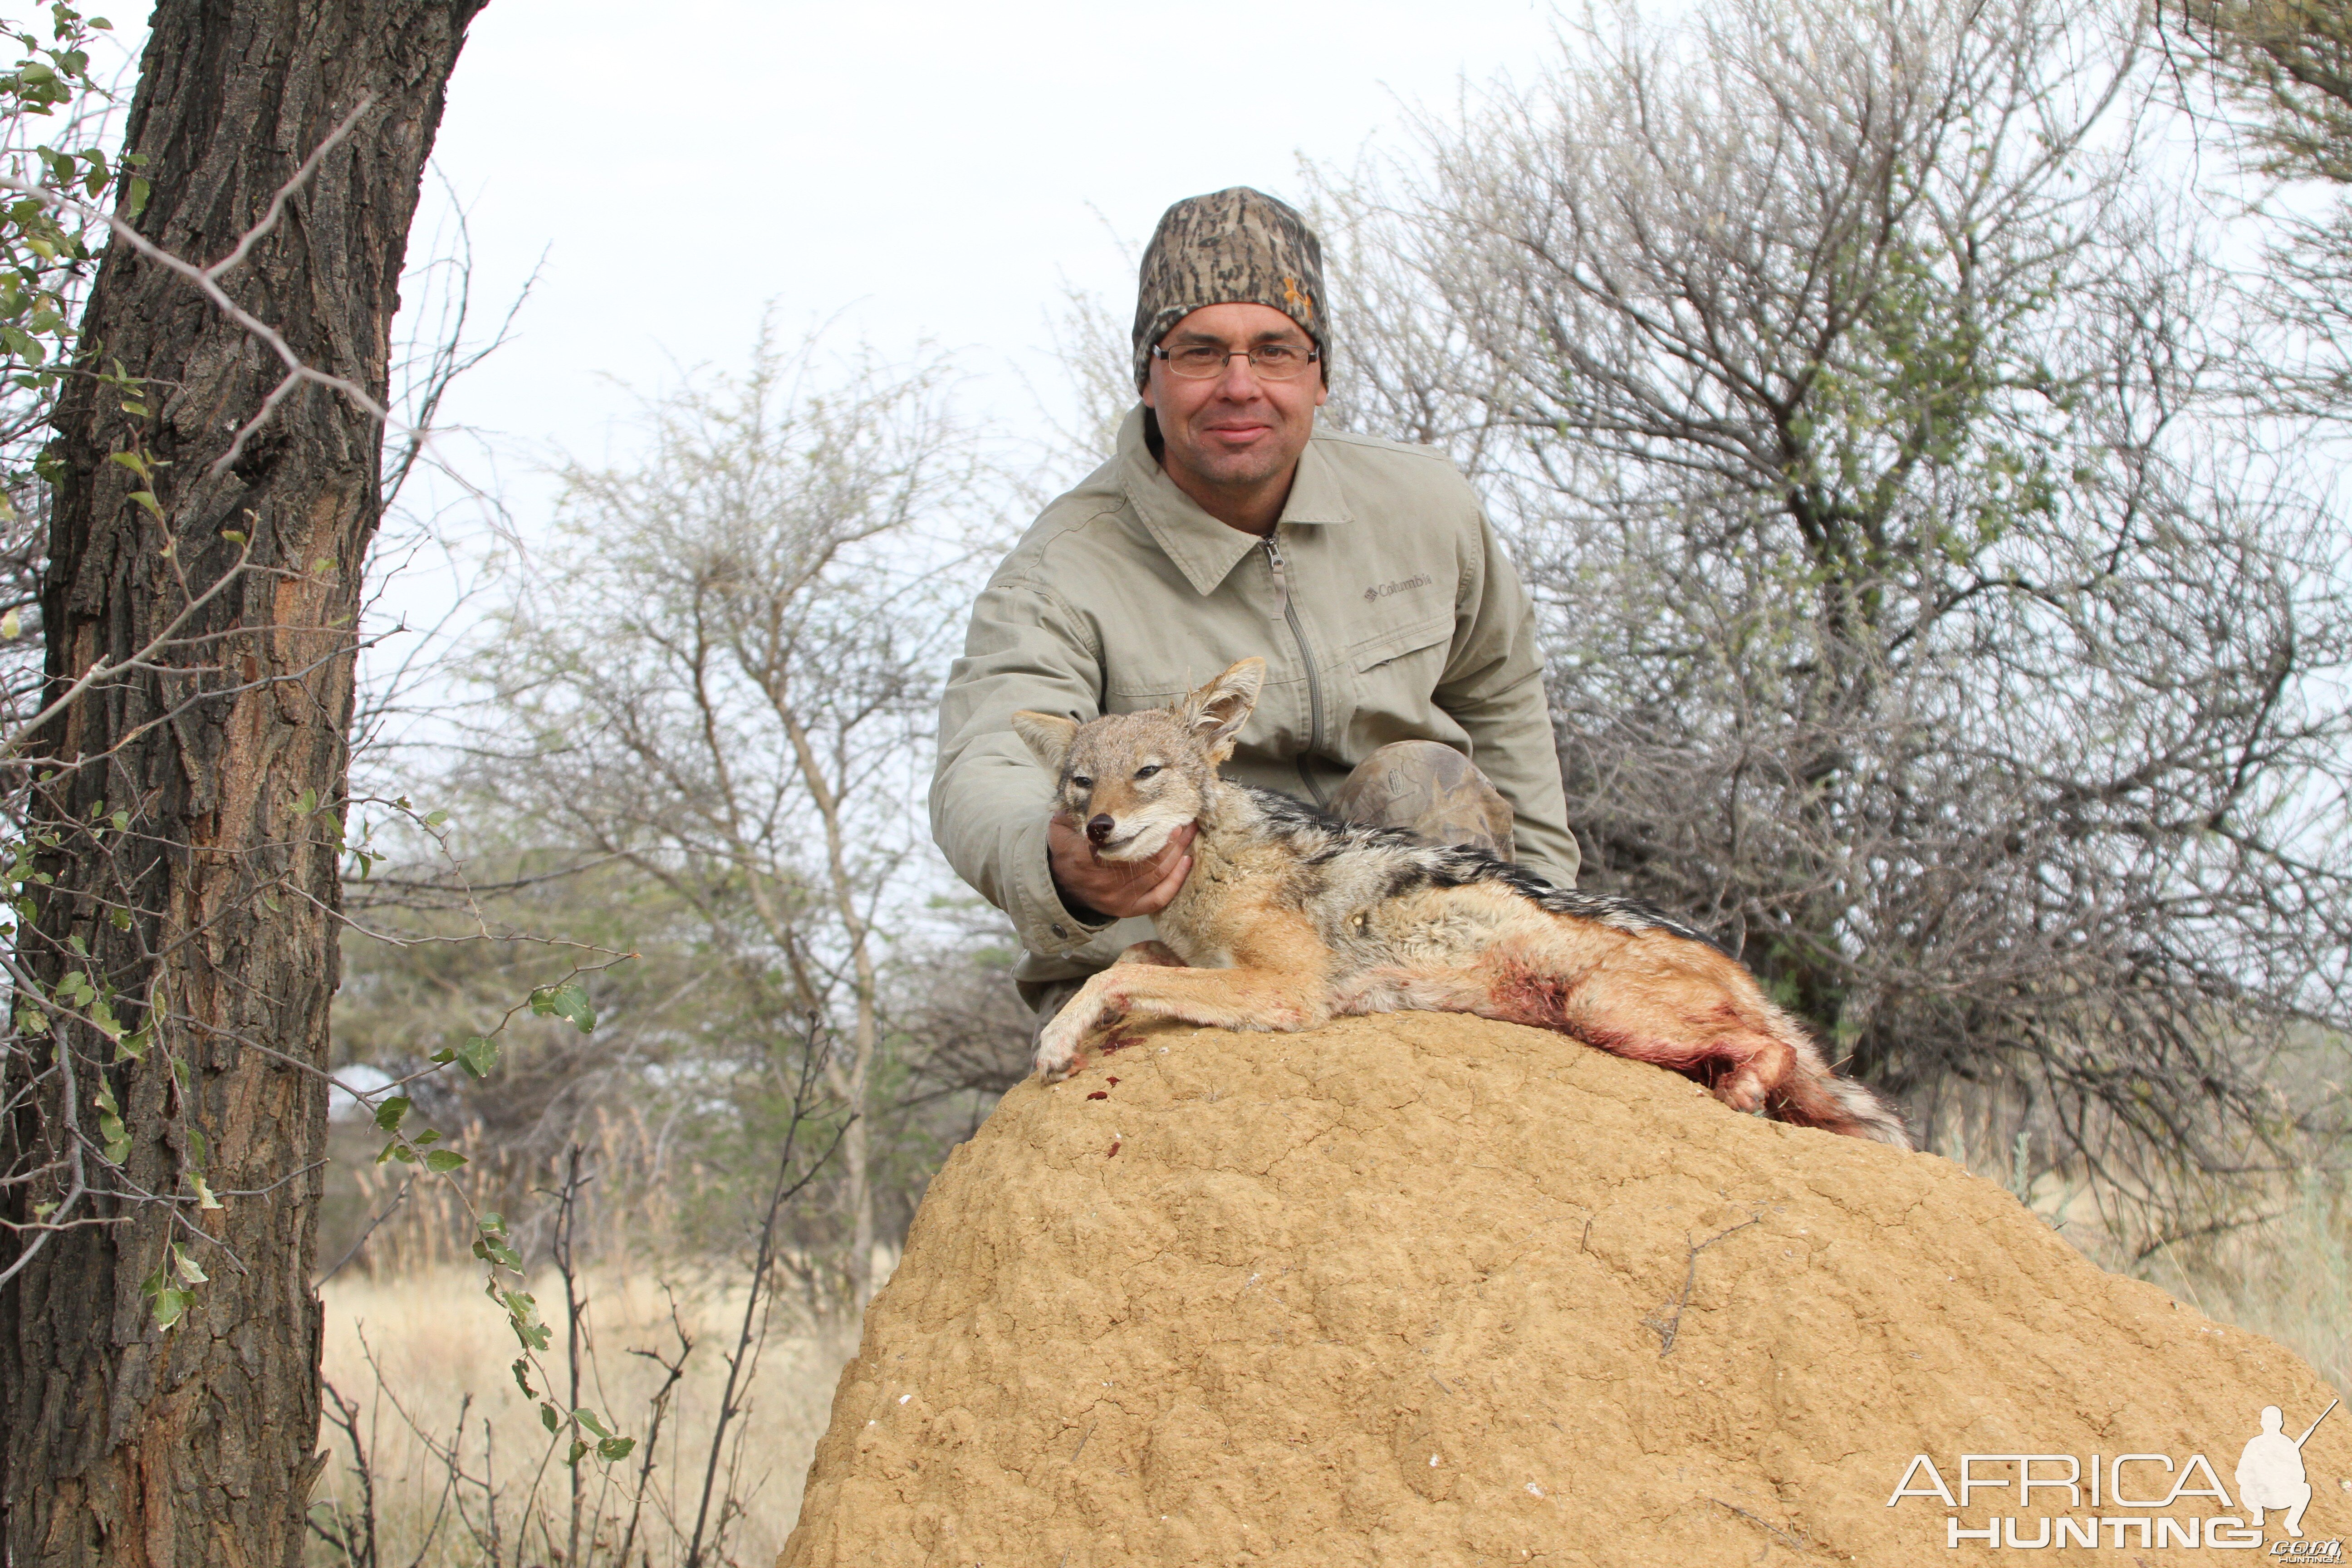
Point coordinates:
[(120, 1443)]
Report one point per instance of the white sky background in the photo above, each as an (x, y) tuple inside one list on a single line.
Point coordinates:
[(926, 171), (914, 173)]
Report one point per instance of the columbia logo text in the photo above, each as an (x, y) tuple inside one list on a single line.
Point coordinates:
[(1385, 589)]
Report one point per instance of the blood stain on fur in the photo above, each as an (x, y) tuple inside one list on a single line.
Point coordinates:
[(1099, 1094)]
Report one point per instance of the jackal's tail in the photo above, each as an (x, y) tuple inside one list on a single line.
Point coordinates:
[(1814, 1095)]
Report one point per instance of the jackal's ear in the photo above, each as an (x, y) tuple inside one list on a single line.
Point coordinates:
[(1217, 709), (1047, 736)]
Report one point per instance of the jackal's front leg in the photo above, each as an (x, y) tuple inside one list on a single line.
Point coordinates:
[(1147, 987), (1058, 1053)]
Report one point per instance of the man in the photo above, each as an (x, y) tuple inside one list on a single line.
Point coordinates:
[(1403, 685)]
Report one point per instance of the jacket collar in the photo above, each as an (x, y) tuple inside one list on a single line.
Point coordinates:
[(1203, 548)]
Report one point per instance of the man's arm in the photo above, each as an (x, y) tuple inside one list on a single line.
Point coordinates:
[(1493, 687), (1027, 648)]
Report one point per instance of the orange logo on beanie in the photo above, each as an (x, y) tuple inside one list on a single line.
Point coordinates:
[(1296, 305)]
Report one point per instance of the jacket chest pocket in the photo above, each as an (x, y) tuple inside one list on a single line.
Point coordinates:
[(1395, 674), (1372, 657)]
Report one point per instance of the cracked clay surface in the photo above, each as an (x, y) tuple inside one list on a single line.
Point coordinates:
[(1394, 1292)]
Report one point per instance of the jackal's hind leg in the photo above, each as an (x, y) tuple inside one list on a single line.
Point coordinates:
[(1750, 1071)]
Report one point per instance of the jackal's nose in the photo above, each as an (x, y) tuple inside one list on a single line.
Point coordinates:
[(1098, 828)]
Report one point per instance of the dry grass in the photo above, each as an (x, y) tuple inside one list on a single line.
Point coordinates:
[(430, 1346), (2272, 1255), (2288, 1276)]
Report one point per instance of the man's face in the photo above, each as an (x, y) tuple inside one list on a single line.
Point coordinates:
[(1234, 432)]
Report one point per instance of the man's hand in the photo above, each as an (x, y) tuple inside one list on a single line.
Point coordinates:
[(1116, 888)]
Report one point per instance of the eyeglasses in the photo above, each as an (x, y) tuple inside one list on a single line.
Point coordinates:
[(1268, 362)]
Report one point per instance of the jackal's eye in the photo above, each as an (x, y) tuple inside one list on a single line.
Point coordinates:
[(1080, 781), (1147, 772)]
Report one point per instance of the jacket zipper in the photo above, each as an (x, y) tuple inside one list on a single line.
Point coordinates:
[(1306, 654)]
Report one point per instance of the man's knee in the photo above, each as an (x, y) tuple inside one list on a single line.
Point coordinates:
[(1429, 789)]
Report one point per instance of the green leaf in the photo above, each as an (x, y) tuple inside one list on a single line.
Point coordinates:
[(117, 1137), (444, 1160), (567, 1001), (578, 1449), (171, 1305), (494, 1249), (588, 1418), (121, 820), (307, 801), (388, 1115), (612, 1448), (522, 1378), (479, 1055), (234, 535), (435, 819), (186, 1265), (396, 1150), (547, 1416), (147, 499)]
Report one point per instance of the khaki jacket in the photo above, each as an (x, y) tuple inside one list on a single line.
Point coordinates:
[(1385, 611)]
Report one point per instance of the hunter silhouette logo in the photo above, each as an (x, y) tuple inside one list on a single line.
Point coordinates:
[(2147, 1502), (2270, 1472)]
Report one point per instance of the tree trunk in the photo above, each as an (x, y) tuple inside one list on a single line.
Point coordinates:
[(120, 1443)]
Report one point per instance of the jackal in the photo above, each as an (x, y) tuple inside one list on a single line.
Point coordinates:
[(1290, 918)]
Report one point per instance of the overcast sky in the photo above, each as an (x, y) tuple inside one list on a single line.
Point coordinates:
[(926, 171)]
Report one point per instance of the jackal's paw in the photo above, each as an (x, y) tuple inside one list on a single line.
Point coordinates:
[(1743, 1091), (1055, 1062), (1063, 1039)]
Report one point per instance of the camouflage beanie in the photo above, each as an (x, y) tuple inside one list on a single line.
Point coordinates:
[(1238, 246)]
